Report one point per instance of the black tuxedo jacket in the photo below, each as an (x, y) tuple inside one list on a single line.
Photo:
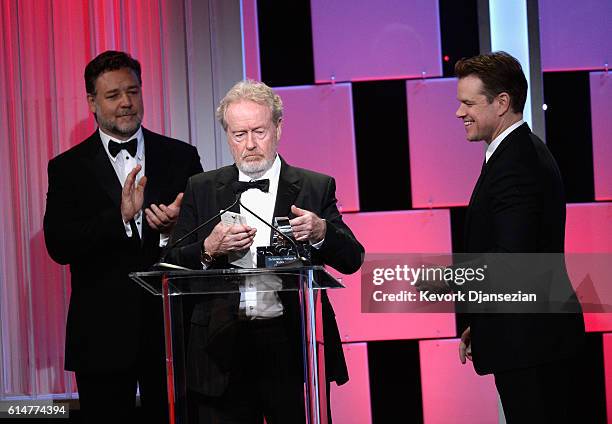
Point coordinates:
[(109, 315), (518, 206), (205, 196)]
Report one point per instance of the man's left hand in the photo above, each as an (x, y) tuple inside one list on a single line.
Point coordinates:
[(163, 218), (307, 225)]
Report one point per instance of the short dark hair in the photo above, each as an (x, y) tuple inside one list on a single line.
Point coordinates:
[(110, 60), (499, 72)]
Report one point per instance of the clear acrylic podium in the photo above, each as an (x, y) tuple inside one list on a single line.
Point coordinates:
[(183, 292)]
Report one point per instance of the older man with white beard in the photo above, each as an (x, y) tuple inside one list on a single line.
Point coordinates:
[(259, 372)]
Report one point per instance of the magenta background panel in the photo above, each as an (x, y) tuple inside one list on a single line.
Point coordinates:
[(575, 35), (351, 401), (444, 166), (362, 40), (318, 135), (452, 392), (392, 232), (250, 39), (607, 354), (601, 112), (588, 230)]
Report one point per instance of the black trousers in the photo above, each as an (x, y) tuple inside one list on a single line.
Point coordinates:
[(266, 380), (541, 394), (110, 396)]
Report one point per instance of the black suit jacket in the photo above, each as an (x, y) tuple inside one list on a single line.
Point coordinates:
[(109, 315), (205, 196), (518, 206)]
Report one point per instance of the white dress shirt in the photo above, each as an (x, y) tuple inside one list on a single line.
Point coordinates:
[(266, 304), (123, 164)]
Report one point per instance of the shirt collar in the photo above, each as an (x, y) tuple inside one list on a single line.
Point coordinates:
[(272, 174), (495, 143), (140, 143)]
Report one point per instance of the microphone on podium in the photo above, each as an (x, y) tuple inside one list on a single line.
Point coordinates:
[(238, 189), (162, 264)]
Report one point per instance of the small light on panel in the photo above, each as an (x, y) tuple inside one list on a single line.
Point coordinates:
[(544, 106), (446, 58)]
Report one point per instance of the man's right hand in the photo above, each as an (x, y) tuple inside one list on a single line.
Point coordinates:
[(132, 195), (465, 346), (229, 238)]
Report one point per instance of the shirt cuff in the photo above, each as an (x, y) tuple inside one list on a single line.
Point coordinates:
[(318, 244), (163, 239), (128, 229)]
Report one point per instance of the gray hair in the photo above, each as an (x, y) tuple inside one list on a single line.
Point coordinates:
[(254, 91)]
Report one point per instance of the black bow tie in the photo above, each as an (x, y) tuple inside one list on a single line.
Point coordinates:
[(242, 186), (130, 146)]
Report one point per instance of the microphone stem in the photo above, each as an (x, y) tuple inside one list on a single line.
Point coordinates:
[(208, 221), (277, 231)]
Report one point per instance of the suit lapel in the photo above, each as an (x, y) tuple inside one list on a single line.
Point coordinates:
[(483, 172), (155, 170), (495, 156), (225, 193), (289, 185), (486, 166), (468, 215), (520, 131), (104, 171), (154, 167)]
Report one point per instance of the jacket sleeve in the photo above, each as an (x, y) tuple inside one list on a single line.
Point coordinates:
[(187, 253), (515, 210), (340, 249), (74, 230), (195, 167)]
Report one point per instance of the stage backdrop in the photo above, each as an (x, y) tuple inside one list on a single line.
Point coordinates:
[(370, 97), (43, 112)]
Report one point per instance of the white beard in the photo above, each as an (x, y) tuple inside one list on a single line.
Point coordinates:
[(255, 169)]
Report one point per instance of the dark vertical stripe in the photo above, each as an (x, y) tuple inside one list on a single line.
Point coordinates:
[(568, 131), (285, 42), (395, 382), (589, 379), (381, 137), (457, 217), (458, 32)]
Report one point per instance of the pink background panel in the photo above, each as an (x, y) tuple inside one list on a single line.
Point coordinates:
[(575, 35), (360, 40), (601, 111), (588, 230), (250, 37), (392, 232), (444, 166), (318, 135), (351, 401), (452, 392), (607, 352)]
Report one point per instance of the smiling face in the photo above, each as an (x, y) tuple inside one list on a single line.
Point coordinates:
[(252, 136), (117, 103), (482, 119)]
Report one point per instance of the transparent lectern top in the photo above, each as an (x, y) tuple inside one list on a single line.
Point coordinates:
[(234, 280)]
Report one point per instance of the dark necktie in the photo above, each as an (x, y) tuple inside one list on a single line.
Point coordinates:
[(130, 146), (242, 186)]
